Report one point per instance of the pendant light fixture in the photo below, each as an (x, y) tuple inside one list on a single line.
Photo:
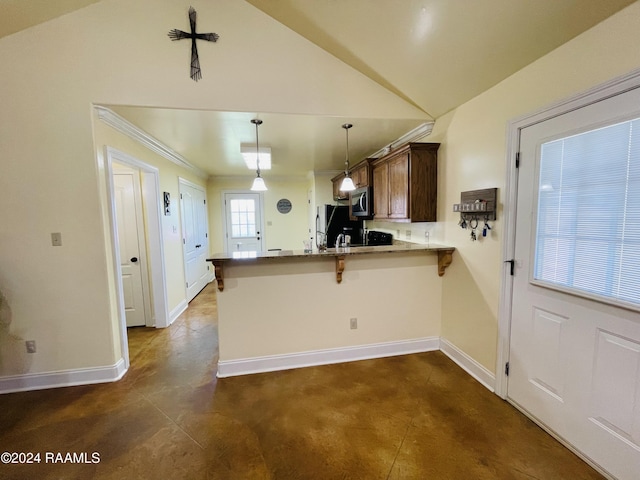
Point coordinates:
[(347, 184), (258, 182)]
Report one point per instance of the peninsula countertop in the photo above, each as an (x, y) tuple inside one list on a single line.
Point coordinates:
[(331, 252), (445, 255)]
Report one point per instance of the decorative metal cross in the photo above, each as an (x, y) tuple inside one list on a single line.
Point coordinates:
[(196, 73)]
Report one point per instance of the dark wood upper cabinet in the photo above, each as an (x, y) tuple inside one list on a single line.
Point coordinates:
[(337, 194), (360, 174), (405, 184)]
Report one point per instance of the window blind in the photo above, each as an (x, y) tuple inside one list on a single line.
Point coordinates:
[(588, 217)]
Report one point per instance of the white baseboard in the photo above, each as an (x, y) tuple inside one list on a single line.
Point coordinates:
[(176, 312), (66, 378), (468, 364), (271, 363)]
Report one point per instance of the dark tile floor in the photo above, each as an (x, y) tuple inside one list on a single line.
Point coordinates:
[(409, 417)]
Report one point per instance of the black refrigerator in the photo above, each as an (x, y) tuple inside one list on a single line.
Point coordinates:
[(337, 221)]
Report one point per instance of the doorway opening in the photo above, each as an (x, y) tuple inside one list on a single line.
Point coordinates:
[(151, 208)]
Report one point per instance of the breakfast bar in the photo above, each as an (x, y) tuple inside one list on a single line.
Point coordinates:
[(445, 255), (288, 309)]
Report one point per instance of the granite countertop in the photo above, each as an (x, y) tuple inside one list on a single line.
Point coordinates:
[(331, 252), (443, 252)]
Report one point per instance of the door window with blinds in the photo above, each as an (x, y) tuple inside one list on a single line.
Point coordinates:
[(588, 217)]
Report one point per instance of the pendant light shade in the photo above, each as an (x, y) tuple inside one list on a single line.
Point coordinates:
[(258, 185), (347, 183), (258, 182)]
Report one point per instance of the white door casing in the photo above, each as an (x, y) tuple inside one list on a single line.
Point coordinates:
[(152, 206), (243, 214), (132, 248), (195, 237), (574, 362)]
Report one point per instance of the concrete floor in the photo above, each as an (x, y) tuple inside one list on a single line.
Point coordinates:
[(410, 417)]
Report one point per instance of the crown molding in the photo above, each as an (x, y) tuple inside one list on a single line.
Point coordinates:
[(416, 134), (130, 130)]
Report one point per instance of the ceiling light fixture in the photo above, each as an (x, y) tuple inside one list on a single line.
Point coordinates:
[(347, 184), (258, 182)]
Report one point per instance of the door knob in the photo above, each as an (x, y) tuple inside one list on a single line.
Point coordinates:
[(198, 246), (134, 259)]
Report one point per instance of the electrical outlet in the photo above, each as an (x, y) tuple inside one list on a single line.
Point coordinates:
[(408, 234), (56, 239), (353, 323), (31, 346)]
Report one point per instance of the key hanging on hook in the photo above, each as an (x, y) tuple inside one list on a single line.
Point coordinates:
[(486, 227), (473, 224)]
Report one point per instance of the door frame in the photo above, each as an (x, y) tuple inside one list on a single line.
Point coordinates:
[(595, 94), (181, 182), (223, 194), (150, 183), (142, 240)]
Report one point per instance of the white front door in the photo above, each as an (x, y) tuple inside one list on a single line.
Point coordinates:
[(131, 244), (574, 360), (243, 222), (193, 206)]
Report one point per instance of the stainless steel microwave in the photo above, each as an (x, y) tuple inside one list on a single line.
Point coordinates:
[(361, 202)]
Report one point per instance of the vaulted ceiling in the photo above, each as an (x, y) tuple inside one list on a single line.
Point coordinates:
[(435, 54)]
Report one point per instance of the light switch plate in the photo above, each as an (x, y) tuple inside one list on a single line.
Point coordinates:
[(56, 239)]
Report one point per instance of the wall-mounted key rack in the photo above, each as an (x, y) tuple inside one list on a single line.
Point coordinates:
[(481, 203)]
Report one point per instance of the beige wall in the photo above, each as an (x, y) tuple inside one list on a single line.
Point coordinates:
[(169, 173), (285, 231), (297, 306), (118, 53), (473, 156)]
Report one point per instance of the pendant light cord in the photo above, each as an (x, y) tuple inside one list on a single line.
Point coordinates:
[(346, 127), (257, 149)]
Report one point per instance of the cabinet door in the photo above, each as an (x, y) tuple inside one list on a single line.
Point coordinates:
[(381, 191), (337, 194), (361, 176), (399, 186)]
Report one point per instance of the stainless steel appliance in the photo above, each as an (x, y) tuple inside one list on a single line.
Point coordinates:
[(361, 203)]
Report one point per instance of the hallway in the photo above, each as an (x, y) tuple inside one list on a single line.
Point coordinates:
[(410, 417)]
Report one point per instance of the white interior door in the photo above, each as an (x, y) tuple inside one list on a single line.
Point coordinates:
[(131, 242), (574, 360), (195, 237), (243, 218)]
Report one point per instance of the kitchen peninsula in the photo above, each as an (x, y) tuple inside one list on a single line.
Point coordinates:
[(444, 256), (280, 310)]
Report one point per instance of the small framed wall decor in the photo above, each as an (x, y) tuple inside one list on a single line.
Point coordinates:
[(284, 206), (167, 203)]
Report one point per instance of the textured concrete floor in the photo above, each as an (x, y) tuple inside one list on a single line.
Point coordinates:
[(410, 417)]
